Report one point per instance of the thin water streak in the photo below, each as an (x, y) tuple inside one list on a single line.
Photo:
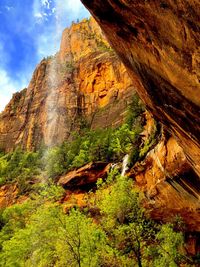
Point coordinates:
[(125, 165)]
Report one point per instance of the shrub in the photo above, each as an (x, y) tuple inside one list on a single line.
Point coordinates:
[(20, 167)]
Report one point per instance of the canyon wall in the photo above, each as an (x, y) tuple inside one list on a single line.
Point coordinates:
[(84, 82), (159, 41)]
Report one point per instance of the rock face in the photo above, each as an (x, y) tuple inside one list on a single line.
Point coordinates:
[(85, 177), (86, 82), (170, 185), (9, 196), (159, 41), (83, 82)]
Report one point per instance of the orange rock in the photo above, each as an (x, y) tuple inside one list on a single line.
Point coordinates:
[(9, 195), (159, 41), (85, 176), (85, 79), (169, 184)]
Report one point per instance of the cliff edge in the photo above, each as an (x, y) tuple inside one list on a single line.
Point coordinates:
[(159, 41), (84, 82)]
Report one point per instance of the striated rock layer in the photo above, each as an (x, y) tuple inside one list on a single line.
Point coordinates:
[(169, 184), (159, 41), (84, 82)]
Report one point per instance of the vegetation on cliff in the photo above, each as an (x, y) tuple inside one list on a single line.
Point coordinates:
[(108, 145), (112, 229), (47, 227)]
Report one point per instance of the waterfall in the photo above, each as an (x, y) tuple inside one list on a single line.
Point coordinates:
[(51, 103), (52, 98), (53, 82), (125, 164)]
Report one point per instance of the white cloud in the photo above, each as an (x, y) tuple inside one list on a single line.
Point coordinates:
[(67, 11), (46, 3), (72, 8), (8, 8), (64, 12), (8, 87), (36, 7), (38, 15), (4, 79), (46, 43), (46, 46), (38, 10), (53, 10), (5, 57)]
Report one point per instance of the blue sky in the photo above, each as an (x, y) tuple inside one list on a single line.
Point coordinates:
[(29, 31)]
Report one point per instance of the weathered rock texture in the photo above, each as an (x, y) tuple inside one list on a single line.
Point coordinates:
[(170, 185), (85, 178), (84, 81), (160, 42), (9, 195)]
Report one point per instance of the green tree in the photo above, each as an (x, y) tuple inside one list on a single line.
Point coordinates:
[(54, 161), (20, 167), (169, 244), (124, 220), (135, 109), (51, 238), (131, 233)]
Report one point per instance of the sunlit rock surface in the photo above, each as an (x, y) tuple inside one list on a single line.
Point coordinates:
[(159, 41), (9, 195), (85, 177), (169, 184), (84, 82)]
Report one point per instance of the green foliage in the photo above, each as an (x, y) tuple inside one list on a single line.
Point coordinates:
[(169, 243), (51, 238), (132, 235), (70, 66), (149, 142), (123, 219), (54, 161), (14, 219), (80, 159), (49, 58), (108, 145), (116, 211), (102, 46), (20, 167), (135, 109), (47, 191), (39, 233), (66, 67)]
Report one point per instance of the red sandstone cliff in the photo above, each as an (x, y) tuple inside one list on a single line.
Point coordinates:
[(84, 81), (159, 41)]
